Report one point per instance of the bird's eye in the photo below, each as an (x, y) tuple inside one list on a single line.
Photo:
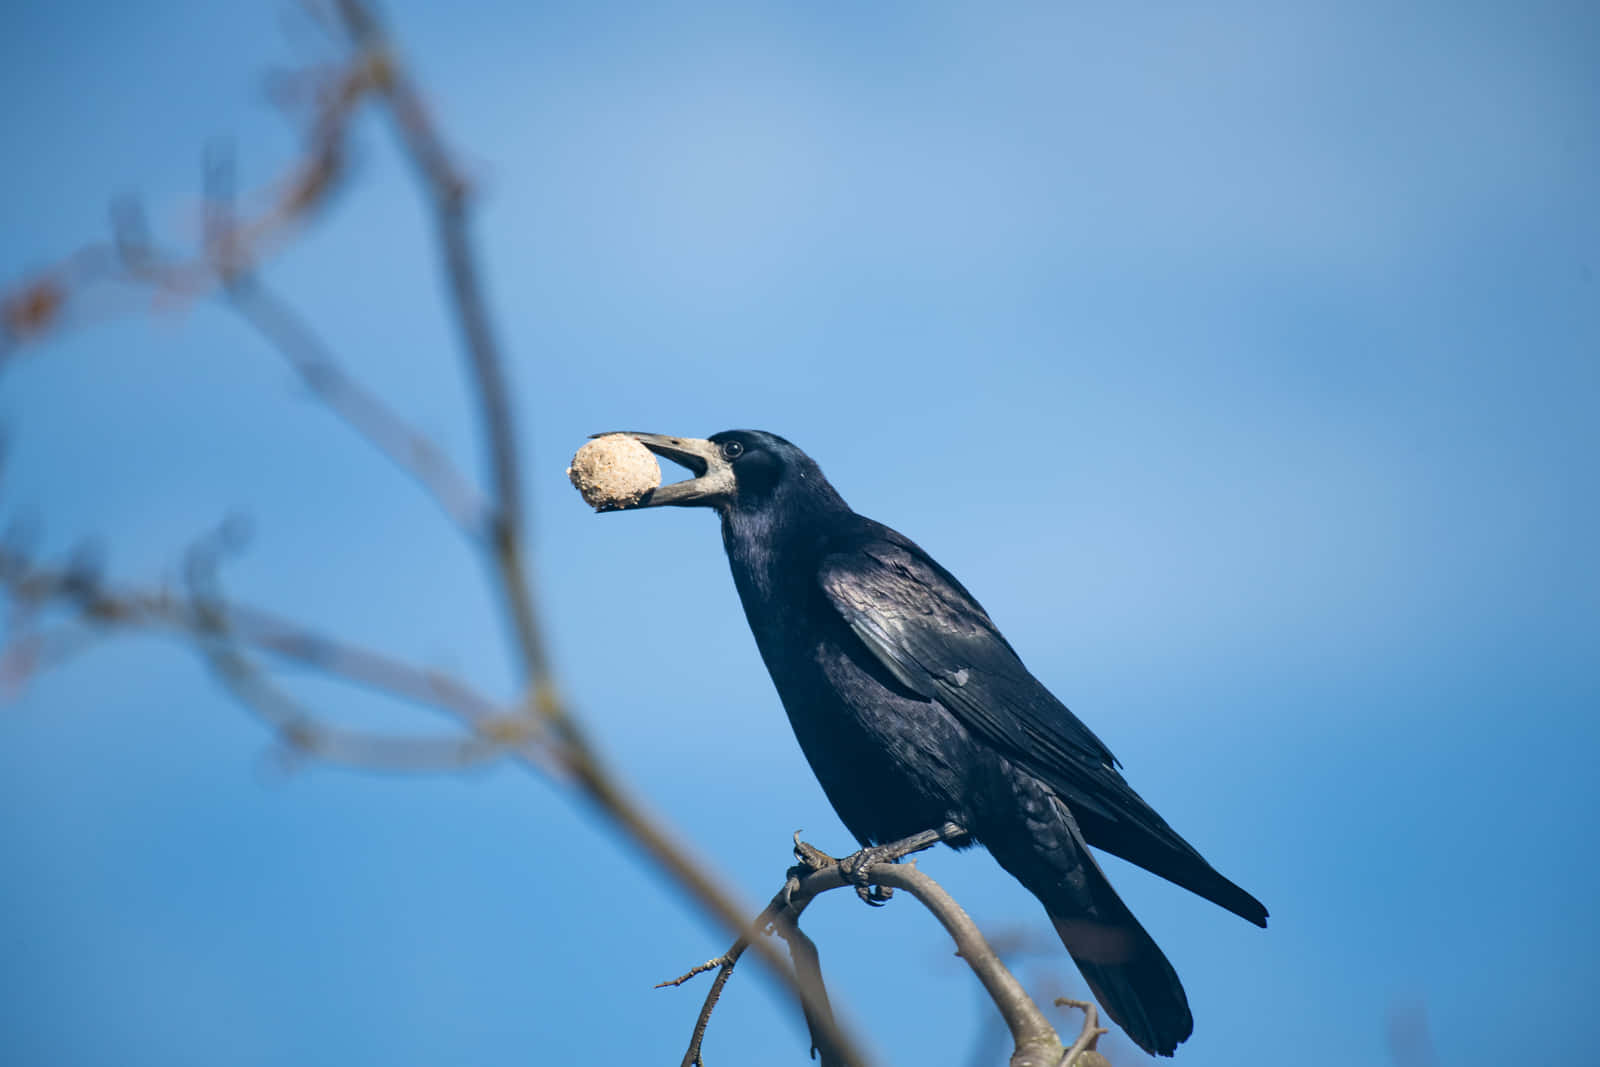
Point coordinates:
[(732, 450)]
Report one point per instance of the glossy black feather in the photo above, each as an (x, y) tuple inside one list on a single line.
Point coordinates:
[(937, 641), (914, 711)]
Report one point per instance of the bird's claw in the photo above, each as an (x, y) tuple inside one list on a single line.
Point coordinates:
[(874, 896), (809, 858), (857, 869)]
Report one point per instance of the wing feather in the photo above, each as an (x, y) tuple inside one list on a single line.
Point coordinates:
[(936, 640)]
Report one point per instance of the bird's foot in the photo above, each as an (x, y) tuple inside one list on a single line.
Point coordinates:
[(857, 867)]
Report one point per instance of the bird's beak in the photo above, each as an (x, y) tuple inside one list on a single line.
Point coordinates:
[(713, 476)]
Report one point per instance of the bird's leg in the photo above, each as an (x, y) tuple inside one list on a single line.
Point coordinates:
[(858, 865)]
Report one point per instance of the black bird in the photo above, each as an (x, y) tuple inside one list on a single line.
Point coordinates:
[(916, 715)]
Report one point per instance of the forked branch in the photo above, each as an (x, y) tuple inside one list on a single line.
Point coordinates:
[(1035, 1042)]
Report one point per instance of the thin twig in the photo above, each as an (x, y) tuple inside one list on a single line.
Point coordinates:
[(231, 244), (1088, 1037), (228, 259), (697, 969), (448, 194), (785, 906), (691, 875), (300, 730), (289, 640), (693, 1058), (409, 449)]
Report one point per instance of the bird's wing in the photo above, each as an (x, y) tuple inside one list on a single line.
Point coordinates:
[(936, 640)]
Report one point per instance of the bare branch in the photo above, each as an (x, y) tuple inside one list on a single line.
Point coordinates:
[(820, 1020), (34, 652), (299, 729), (781, 916), (1083, 1052), (304, 734), (231, 244), (692, 1057), (448, 195), (697, 969), (496, 733), (1035, 1041), (408, 448), (163, 609), (228, 258)]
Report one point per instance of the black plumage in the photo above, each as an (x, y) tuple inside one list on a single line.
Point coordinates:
[(915, 712)]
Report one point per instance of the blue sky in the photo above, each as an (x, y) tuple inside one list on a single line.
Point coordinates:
[(1242, 360)]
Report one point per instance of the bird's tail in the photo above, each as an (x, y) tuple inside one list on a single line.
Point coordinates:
[(1127, 972)]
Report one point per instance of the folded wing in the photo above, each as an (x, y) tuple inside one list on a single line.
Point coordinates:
[(935, 639)]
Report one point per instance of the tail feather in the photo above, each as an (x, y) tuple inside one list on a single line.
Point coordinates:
[(1127, 972), (1129, 975)]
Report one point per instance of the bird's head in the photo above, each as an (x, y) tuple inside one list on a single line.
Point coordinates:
[(736, 470)]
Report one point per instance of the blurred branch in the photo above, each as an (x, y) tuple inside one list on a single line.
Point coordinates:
[(33, 653), (1033, 954), (225, 264), (409, 449), (450, 202), (45, 301), (1410, 1039), (301, 731), (1035, 1043), (293, 338), (220, 630)]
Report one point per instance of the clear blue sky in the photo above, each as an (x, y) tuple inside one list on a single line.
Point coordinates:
[(1243, 359)]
